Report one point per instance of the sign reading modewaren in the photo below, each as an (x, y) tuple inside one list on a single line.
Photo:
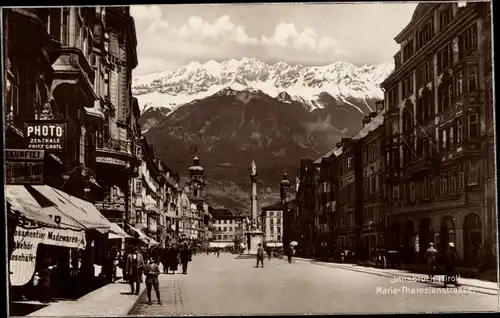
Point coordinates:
[(47, 135), (26, 241)]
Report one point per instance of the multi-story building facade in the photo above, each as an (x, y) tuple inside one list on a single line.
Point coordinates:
[(346, 217), (273, 225), (149, 192), (226, 229), (112, 57), (57, 82), (372, 173), (303, 220), (183, 210), (436, 104)]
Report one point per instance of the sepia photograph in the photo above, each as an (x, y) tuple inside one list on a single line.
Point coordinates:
[(249, 159)]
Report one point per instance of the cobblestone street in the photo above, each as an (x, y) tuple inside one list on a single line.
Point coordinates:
[(230, 286)]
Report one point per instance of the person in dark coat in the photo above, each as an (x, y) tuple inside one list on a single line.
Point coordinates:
[(174, 259), (185, 256), (134, 267), (431, 258), (164, 259), (152, 271), (451, 261), (46, 282)]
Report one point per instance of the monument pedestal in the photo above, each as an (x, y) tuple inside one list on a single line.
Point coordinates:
[(253, 238)]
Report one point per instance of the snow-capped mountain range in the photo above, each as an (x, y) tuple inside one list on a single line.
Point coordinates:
[(304, 84)]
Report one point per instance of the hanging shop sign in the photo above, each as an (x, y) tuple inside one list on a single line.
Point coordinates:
[(49, 135), (26, 241), (23, 166), (111, 160)]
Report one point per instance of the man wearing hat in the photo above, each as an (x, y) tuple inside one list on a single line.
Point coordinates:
[(431, 258), (451, 261)]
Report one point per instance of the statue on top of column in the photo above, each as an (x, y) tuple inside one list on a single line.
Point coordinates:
[(254, 168)]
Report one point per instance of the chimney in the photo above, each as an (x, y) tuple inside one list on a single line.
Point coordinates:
[(379, 105), (345, 140)]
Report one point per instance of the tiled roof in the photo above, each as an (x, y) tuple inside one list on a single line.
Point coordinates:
[(221, 213), (275, 206)]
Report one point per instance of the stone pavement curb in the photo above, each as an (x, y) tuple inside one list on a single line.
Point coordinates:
[(475, 288)]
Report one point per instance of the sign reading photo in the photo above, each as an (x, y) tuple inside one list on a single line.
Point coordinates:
[(26, 241), (48, 135)]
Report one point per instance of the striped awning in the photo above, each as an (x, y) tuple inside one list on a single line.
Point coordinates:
[(20, 200)]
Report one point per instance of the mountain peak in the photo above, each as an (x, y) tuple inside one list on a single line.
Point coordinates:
[(300, 83)]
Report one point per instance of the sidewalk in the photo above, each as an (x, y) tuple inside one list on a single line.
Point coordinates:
[(476, 285), (109, 300)]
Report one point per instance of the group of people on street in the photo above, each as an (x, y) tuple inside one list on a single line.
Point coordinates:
[(137, 265), (450, 261), (289, 251)]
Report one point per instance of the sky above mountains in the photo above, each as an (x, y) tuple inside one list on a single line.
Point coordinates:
[(170, 36)]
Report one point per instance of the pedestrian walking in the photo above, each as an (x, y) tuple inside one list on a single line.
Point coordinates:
[(134, 267), (431, 258), (451, 260), (185, 256), (46, 283), (269, 254), (289, 254), (260, 256), (164, 259), (152, 271), (218, 252), (174, 259)]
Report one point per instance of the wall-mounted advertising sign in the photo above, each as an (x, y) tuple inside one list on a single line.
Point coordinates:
[(48, 135), (24, 166), (23, 259), (111, 160)]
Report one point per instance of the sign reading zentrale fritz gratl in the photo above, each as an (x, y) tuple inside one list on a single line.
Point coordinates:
[(23, 166), (46, 134)]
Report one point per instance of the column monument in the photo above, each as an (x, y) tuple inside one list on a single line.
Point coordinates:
[(253, 231)]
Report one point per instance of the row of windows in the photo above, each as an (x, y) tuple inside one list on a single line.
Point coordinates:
[(345, 221), (270, 237), (227, 222), (273, 213), (467, 43), (372, 185), (227, 229), (371, 152), (372, 214), (271, 221), (224, 237), (271, 230), (451, 182)]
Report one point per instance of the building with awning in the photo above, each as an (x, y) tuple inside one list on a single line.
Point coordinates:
[(83, 212), (116, 232), (142, 237)]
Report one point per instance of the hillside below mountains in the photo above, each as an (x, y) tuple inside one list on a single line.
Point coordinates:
[(231, 116)]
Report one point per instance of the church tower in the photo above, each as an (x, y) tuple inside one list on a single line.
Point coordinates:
[(196, 181)]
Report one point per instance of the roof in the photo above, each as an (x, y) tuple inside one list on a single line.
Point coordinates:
[(326, 155), (274, 207), (221, 213), (372, 125)]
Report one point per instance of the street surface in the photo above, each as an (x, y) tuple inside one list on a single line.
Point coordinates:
[(230, 286)]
